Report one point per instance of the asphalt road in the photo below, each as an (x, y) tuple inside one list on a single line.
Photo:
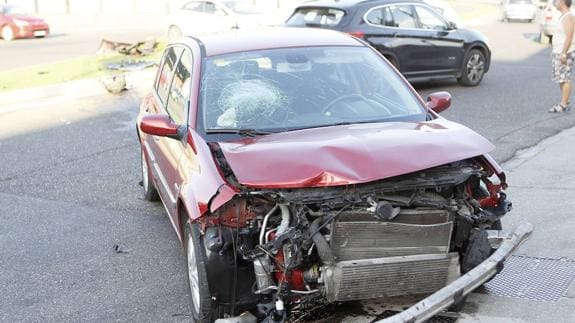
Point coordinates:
[(60, 46), (69, 193)]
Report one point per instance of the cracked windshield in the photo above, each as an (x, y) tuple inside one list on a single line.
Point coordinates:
[(301, 88)]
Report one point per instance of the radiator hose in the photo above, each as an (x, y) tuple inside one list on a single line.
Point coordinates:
[(323, 248)]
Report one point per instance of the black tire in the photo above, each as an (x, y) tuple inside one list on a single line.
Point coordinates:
[(496, 225), (150, 192), (203, 309), (473, 68)]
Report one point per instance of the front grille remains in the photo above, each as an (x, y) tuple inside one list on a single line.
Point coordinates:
[(412, 232), (390, 277)]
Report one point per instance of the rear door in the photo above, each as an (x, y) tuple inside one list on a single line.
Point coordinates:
[(395, 34)]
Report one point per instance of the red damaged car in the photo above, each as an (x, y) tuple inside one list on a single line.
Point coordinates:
[(301, 167), (15, 23)]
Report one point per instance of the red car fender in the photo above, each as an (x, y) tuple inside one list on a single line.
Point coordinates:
[(190, 207), (204, 188)]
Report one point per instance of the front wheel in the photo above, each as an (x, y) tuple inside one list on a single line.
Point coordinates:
[(202, 307), (473, 68), (7, 33)]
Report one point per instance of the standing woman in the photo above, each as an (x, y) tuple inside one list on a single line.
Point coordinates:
[(563, 55)]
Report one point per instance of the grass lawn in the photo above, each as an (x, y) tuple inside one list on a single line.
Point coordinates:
[(68, 70)]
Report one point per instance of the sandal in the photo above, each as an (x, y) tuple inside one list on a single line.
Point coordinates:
[(558, 108)]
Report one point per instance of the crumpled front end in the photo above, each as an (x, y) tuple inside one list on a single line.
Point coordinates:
[(409, 235)]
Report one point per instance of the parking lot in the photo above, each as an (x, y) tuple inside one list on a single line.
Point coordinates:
[(80, 244)]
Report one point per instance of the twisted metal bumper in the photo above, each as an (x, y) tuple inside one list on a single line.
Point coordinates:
[(465, 284)]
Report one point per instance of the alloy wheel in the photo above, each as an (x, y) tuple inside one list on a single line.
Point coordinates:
[(475, 67), (7, 33)]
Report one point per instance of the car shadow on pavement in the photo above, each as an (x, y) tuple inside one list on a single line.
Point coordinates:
[(69, 195)]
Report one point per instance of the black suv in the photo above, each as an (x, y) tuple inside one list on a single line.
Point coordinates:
[(413, 36)]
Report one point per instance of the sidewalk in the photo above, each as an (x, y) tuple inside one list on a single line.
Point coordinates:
[(541, 187)]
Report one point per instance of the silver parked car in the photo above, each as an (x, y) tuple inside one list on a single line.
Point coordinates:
[(518, 10)]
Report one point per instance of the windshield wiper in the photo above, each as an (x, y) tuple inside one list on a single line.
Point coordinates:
[(241, 132), (343, 123)]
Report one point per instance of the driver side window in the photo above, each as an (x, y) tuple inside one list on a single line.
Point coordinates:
[(166, 72), (178, 101)]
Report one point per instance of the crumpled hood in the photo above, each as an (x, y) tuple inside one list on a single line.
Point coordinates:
[(349, 154)]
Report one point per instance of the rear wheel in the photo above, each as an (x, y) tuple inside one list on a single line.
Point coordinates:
[(473, 68), (202, 307), (7, 33), (150, 192)]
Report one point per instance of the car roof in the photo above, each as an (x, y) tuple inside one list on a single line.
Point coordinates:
[(344, 4), (251, 40)]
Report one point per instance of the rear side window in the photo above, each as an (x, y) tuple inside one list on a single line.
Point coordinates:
[(316, 17), (166, 71), (380, 16)]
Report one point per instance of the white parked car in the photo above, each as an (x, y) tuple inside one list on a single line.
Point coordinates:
[(197, 17), (518, 10)]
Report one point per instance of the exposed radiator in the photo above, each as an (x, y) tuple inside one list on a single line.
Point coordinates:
[(412, 232), (390, 277)]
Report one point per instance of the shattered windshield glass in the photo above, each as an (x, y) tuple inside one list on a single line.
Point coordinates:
[(295, 88)]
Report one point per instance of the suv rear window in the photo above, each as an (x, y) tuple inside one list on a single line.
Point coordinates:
[(316, 17)]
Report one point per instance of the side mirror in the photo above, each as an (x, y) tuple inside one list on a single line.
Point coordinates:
[(451, 25), (439, 101), (160, 125)]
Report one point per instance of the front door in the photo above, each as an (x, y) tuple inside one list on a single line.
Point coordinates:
[(170, 150)]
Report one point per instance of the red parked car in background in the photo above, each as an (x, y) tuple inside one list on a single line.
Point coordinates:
[(299, 167), (15, 23)]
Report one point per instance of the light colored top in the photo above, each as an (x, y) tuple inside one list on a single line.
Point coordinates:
[(560, 35)]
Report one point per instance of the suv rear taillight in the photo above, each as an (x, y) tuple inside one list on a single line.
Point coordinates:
[(357, 34)]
